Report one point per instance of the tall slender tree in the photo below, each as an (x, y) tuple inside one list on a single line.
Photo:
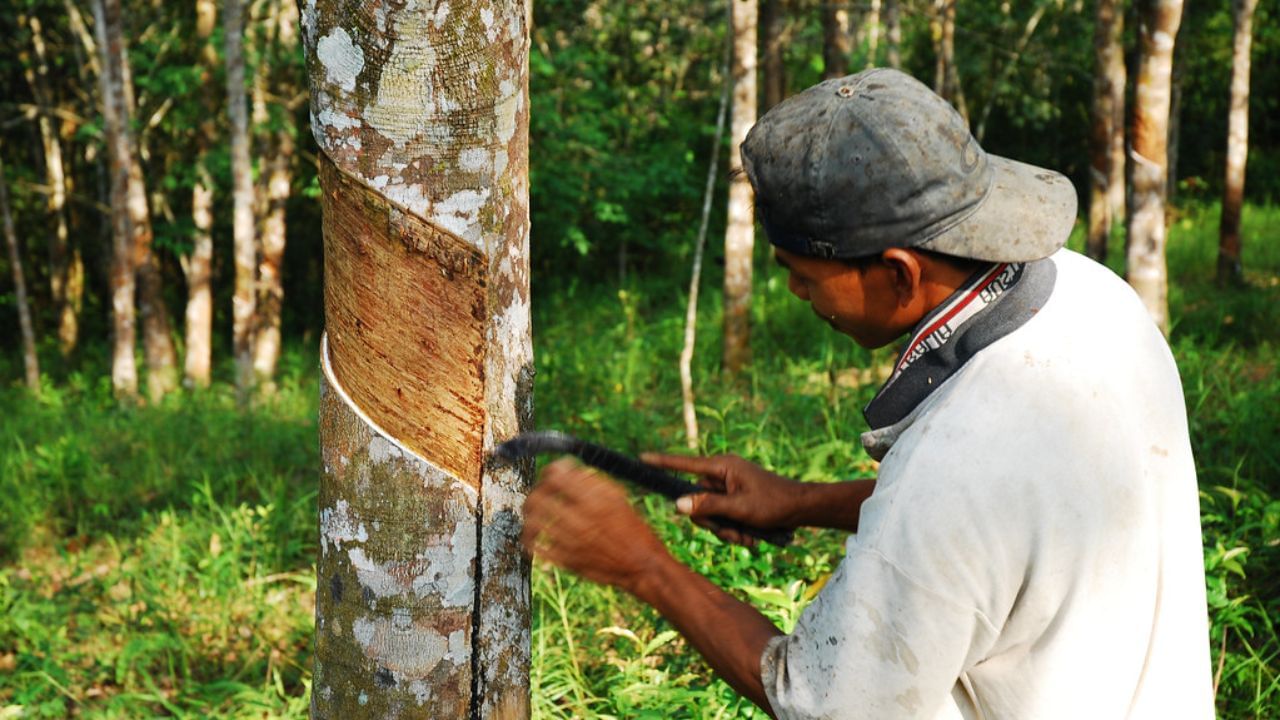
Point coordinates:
[(1108, 91), (946, 77), (66, 267), (893, 33), (115, 111), (1147, 272), (421, 114), (739, 236), (30, 363), (244, 300), (772, 18), (1229, 266)]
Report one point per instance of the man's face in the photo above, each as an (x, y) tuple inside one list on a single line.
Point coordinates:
[(860, 302)]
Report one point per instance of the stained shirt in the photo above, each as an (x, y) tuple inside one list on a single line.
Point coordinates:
[(1032, 548)]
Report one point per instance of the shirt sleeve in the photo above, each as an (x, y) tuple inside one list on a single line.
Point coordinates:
[(875, 643)]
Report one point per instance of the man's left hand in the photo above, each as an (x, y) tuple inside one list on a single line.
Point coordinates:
[(584, 522)]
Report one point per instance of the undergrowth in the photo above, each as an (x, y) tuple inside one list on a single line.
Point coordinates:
[(158, 561)]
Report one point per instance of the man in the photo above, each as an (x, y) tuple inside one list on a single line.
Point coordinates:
[(1031, 546)]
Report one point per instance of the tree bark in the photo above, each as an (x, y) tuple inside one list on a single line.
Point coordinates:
[(835, 39), (421, 114), (739, 237), (115, 111), (279, 179), (871, 24), (1108, 72), (66, 269), (244, 300), (892, 34), (1230, 268), (1147, 272), (772, 14), (30, 363)]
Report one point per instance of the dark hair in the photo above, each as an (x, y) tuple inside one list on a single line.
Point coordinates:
[(863, 262)]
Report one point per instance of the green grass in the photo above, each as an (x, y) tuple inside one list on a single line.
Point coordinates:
[(157, 561)]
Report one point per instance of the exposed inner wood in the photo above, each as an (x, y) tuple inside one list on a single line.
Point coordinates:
[(406, 334)]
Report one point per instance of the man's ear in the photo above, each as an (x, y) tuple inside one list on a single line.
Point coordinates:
[(905, 273)]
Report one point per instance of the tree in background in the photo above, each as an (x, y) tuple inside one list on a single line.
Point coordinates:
[(739, 235), (1229, 266), (244, 301), (946, 76), (1106, 123), (115, 112), (835, 40), (1147, 272), (197, 265), (893, 33), (421, 113), (772, 19), (30, 363)]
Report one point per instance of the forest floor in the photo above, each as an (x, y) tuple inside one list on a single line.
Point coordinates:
[(158, 560)]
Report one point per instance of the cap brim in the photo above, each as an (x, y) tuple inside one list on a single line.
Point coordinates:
[(1027, 215)]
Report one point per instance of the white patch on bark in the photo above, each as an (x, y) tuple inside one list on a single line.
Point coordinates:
[(409, 653), (505, 112), (448, 569), (473, 159), (337, 526), (309, 20), (459, 214), (378, 578), (421, 691), (410, 197), (382, 451), (442, 14), (490, 30), (342, 59)]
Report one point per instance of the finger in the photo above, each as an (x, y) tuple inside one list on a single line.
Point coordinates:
[(712, 467)]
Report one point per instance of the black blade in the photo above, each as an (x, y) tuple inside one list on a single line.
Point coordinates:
[(623, 467)]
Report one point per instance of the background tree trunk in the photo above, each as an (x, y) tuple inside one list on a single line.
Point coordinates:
[(115, 111), (1147, 272), (1230, 269), (421, 113), (66, 269), (30, 363), (1108, 53), (835, 40), (279, 179), (739, 237), (772, 15), (157, 339), (872, 25), (946, 78), (892, 33), (198, 266), (244, 301)]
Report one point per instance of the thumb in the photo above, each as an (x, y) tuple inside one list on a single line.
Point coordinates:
[(701, 504)]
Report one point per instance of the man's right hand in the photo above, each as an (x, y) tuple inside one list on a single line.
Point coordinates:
[(741, 491)]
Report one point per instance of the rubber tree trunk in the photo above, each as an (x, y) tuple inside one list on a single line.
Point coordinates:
[(421, 114), (772, 14), (279, 179), (30, 363), (892, 33), (739, 235), (66, 269), (1108, 90), (115, 111), (1147, 272), (244, 299), (871, 25), (835, 39), (198, 265), (1229, 265)]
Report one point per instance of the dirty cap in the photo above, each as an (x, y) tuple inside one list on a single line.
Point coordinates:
[(860, 164)]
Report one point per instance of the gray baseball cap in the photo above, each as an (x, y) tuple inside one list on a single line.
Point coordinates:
[(860, 164)]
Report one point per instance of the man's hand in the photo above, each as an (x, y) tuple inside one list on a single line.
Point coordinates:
[(752, 495), (582, 521), (743, 491)]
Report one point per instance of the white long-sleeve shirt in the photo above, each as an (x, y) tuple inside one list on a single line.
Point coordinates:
[(1032, 548)]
